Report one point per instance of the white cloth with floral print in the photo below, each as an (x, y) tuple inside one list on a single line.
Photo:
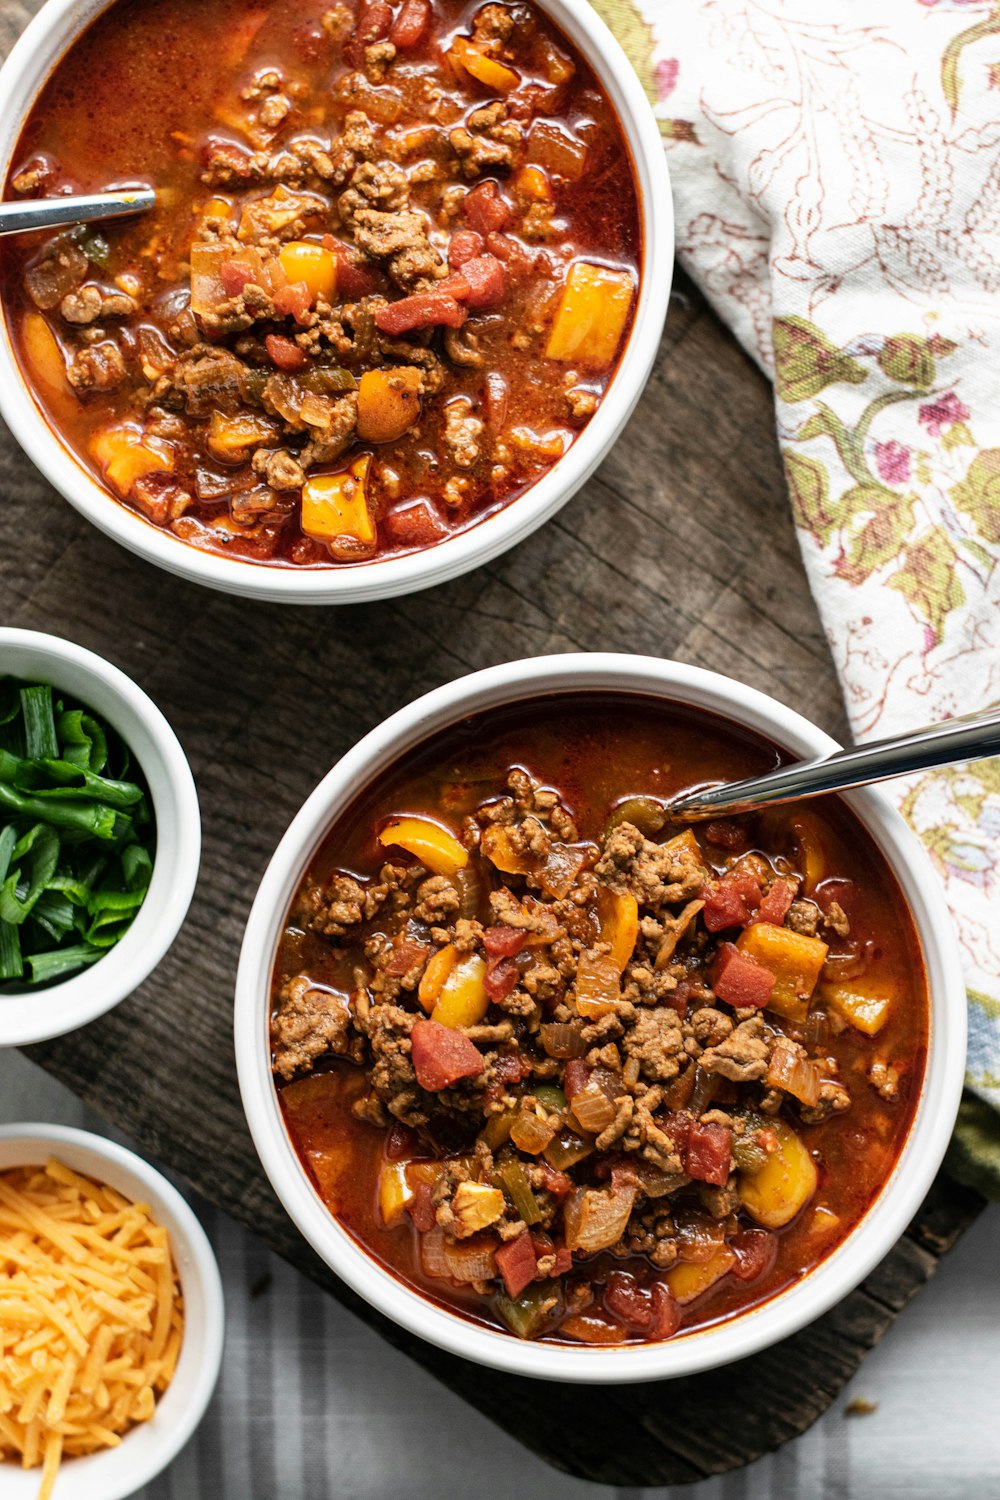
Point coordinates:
[(836, 171)]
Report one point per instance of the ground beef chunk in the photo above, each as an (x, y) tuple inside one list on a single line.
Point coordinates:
[(60, 271), (388, 1028), (100, 367), (656, 874), (493, 24), (437, 900), (653, 1234), (310, 1023), (711, 1027), (742, 1057), (488, 140), (884, 1077), (280, 468), (90, 303), (331, 441), (836, 918), (719, 1201), (401, 240), (375, 185), (803, 917), (833, 1100), (656, 1041), (342, 904), (581, 404), (462, 432), (211, 381)]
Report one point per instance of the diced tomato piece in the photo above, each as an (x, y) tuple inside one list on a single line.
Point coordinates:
[(496, 395), (405, 955), (465, 245), (414, 525), (285, 355), (708, 1154), (774, 907), (402, 1141), (293, 301), (564, 1258), (421, 1208), (511, 1067), (680, 998), (423, 310), (678, 1127), (354, 280), (411, 23), (503, 942), (441, 1056), (731, 901), (372, 25), (487, 281), (756, 1251), (216, 152), (454, 286), (726, 833), (575, 1076), (517, 260), (739, 979), (559, 1184), (234, 276), (517, 1264), (626, 1300), (485, 208), (667, 1313), (500, 978)]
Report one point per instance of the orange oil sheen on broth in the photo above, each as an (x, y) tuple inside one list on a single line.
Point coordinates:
[(137, 97), (597, 749)]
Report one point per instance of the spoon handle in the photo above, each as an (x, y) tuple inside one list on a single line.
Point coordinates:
[(972, 737), (54, 213)]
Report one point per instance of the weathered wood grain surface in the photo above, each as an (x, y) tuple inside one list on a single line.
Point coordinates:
[(680, 546)]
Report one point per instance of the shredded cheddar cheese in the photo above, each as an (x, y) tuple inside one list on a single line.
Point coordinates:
[(91, 1319)]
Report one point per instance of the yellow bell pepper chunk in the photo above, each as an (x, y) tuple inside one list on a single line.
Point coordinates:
[(811, 851), (778, 1190), (394, 1192), (304, 260), (865, 1006), (433, 978), (531, 182), (498, 847), (619, 925), (591, 316), (335, 510), (44, 356), (434, 846), (687, 1279), (216, 208), (485, 70), (795, 961), (126, 455), (231, 438), (388, 403), (463, 1000)]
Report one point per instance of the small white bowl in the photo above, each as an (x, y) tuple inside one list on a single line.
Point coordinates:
[(26, 70), (150, 1446), (703, 1348), (34, 1015)]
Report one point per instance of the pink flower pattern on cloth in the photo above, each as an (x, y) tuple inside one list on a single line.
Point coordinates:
[(836, 174)]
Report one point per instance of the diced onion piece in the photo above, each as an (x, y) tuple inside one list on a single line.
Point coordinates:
[(592, 1109), (476, 1205), (591, 316), (776, 1192), (231, 438), (562, 1039), (795, 960), (437, 971), (434, 846), (795, 1074), (598, 985), (865, 1009), (388, 403), (530, 1133), (335, 509), (688, 1279), (207, 290), (308, 261), (463, 1000), (553, 149), (485, 70), (126, 455), (596, 1218), (394, 1192), (566, 1149)]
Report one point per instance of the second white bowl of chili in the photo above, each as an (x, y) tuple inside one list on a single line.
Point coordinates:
[(821, 1127), (549, 184)]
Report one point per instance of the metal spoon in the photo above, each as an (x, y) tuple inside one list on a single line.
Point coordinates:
[(972, 737), (54, 213)]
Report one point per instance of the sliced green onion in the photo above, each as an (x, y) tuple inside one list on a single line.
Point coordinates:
[(37, 855), (83, 740), (39, 721), (46, 967), (11, 965)]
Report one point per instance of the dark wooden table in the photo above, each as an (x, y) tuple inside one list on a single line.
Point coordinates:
[(680, 546)]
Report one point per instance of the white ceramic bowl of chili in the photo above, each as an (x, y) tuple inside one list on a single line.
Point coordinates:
[(146, 1449), (31, 1014), (31, 61), (706, 1347)]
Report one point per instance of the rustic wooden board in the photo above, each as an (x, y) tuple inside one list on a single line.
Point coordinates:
[(680, 546)]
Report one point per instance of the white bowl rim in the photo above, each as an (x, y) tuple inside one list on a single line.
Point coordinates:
[(28, 1016), (43, 42), (717, 1344), (194, 1380)]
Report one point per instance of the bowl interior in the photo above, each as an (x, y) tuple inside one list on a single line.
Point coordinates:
[(37, 1014), (25, 72), (150, 1446), (888, 1215)]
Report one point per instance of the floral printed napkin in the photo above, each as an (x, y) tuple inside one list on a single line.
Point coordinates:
[(836, 173)]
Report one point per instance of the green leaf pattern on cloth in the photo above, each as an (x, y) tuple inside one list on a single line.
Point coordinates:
[(836, 176)]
